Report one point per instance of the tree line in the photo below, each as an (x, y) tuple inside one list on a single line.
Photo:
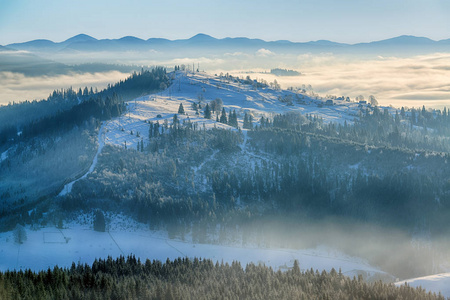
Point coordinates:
[(184, 278), (67, 107)]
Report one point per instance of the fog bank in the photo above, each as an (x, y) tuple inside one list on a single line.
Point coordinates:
[(17, 87)]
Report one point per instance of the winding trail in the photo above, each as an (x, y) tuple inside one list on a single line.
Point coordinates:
[(101, 143)]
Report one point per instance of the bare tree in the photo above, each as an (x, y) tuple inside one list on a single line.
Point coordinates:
[(373, 101), (216, 105), (20, 235), (360, 98)]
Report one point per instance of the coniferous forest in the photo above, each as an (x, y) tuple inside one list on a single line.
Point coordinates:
[(184, 278)]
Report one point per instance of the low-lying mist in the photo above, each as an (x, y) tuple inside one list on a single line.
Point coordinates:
[(16, 87), (411, 82), (399, 252), (398, 81)]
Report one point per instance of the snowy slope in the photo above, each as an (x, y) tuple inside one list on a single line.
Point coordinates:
[(77, 242), (189, 88), (434, 283)]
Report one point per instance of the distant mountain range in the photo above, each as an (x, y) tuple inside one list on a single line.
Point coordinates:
[(45, 57), (83, 42)]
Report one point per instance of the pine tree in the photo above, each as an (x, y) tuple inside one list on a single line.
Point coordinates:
[(232, 120), (181, 109), (207, 112), (248, 121), (223, 117), (245, 125)]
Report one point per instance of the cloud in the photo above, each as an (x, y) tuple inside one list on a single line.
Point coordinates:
[(394, 81), (14, 52), (410, 81), (264, 52), (237, 54), (16, 87)]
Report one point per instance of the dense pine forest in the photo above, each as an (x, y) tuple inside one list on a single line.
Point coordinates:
[(184, 278)]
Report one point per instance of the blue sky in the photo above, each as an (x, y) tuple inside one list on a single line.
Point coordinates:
[(348, 21)]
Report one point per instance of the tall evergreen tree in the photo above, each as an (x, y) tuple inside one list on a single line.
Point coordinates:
[(207, 112), (232, 120), (181, 109), (245, 125), (223, 117), (248, 121)]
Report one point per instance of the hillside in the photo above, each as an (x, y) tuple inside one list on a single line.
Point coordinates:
[(226, 161), (241, 97)]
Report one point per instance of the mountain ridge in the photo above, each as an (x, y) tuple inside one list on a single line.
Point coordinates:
[(205, 38)]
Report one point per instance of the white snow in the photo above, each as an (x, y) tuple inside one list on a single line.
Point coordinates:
[(4, 155), (101, 143), (189, 88), (434, 283), (50, 246)]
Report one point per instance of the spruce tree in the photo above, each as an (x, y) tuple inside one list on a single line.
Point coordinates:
[(232, 119), (181, 109), (223, 117), (207, 112), (248, 121), (245, 125)]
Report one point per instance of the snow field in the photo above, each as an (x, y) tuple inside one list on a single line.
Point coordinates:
[(189, 88), (77, 242)]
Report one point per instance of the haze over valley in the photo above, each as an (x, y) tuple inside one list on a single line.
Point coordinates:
[(403, 71), (224, 150)]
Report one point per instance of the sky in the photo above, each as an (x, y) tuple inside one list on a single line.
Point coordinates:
[(349, 21)]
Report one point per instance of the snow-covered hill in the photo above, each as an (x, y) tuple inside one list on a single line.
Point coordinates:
[(189, 88)]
